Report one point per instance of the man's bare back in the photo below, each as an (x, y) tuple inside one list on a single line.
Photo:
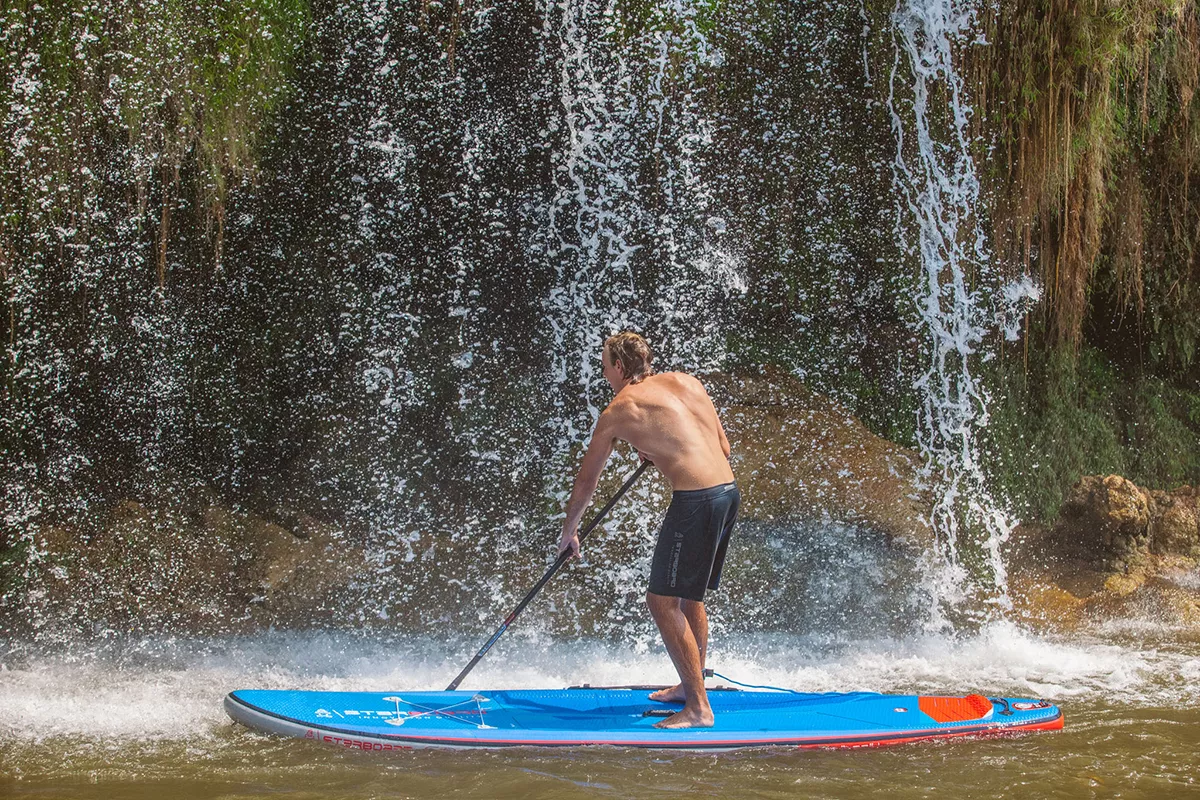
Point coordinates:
[(671, 421)]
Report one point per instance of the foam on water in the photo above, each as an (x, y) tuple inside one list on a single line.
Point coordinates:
[(171, 690)]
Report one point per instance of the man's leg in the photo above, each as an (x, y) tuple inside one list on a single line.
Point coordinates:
[(681, 644), (697, 620)]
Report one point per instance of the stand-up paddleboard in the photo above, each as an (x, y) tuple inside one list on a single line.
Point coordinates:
[(625, 717)]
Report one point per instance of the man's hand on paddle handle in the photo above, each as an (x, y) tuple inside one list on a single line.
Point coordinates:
[(569, 542)]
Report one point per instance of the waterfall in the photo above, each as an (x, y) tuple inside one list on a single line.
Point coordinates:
[(626, 254), (400, 343), (961, 299), (592, 217)]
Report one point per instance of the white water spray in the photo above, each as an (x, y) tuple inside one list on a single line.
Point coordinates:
[(615, 118), (629, 248), (591, 218)]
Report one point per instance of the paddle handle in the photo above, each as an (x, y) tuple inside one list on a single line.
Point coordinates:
[(563, 557)]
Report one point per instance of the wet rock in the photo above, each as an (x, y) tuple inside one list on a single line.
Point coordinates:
[(1118, 552), (798, 454), (302, 578), (201, 567), (1038, 600), (1066, 576), (1106, 521), (1152, 594), (1123, 584), (1152, 598), (138, 569), (1176, 529)]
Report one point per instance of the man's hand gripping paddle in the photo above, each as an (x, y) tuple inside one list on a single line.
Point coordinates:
[(563, 557)]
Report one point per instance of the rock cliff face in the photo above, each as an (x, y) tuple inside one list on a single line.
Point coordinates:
[(204, 566), (797, 454), (1118, 551)]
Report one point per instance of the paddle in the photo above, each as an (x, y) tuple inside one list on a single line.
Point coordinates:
[(562, 559)]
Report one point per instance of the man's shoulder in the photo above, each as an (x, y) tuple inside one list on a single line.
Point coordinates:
[(663, 388), (619, 406), (677, 382), (671, 377)]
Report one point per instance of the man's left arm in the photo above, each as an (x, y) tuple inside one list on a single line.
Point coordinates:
[(598, 451)]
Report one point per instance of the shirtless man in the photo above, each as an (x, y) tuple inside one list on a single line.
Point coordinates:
[(671, 421)]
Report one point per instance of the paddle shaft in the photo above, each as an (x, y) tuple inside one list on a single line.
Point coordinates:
[(562, 559)]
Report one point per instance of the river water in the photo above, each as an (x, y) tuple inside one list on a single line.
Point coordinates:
[(143, 718)]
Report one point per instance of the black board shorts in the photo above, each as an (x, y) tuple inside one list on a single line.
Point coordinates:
[(692, 542)]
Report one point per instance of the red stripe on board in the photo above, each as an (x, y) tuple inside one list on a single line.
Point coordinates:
[(902, 738), (1053, 725)]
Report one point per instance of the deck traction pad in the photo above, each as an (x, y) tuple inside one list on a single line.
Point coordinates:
[(956, 709)]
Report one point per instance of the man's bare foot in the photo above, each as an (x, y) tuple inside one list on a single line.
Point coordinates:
[(675, 694), (688, 718)]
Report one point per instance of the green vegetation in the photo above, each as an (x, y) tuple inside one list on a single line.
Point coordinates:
[(1090, 108), (633, 18), (124, 128), (12, 563), (1067, 416), (97, 92)]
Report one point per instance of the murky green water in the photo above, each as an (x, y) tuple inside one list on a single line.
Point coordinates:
[(144, 720)]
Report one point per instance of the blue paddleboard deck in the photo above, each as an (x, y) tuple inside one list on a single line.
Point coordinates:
[(625, 717)]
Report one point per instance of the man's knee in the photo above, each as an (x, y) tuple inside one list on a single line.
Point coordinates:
[(691, 606)]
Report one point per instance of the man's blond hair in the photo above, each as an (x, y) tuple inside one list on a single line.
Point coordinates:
[(632, 352)]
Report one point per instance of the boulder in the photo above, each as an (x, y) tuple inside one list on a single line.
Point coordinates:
[(1105, 521), (1160, 591), (138, 568), (1176, 528), (196, 568), (1119, 553), (1111, 524), (798, 454), (301, 577)]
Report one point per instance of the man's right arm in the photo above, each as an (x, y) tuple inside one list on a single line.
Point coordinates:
[(598, 451)]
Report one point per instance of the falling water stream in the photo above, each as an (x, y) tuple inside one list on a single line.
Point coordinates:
[(961, 300), (434, 286)]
